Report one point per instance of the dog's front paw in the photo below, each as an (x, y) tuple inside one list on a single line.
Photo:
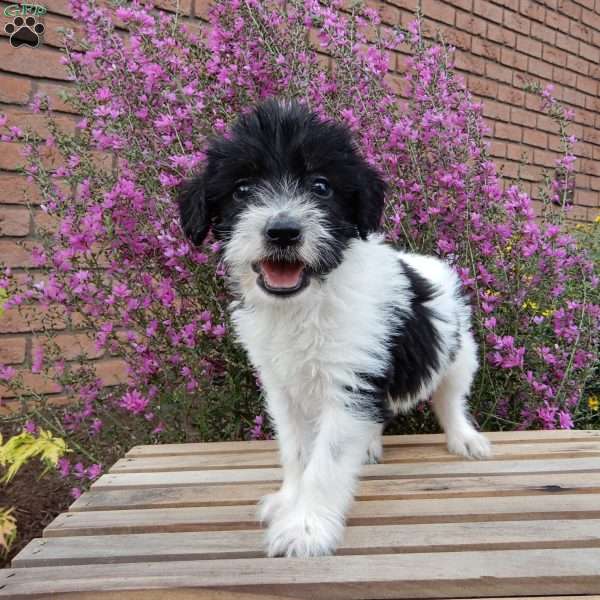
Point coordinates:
[(304, 533), (374, 452), (469, 443), (272, 505)]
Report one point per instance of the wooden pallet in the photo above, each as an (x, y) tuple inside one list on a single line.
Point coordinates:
[(178, 522)]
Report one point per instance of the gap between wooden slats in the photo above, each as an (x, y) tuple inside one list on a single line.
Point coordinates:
[(437, 537), (427, 575), (219, 518), (391, 455), (498, 437), (373, 489), (381, 471)]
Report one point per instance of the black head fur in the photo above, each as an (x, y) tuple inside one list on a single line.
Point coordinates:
[(278, 141)]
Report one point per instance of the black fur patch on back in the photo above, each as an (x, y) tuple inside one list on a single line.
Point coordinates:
[(415, 349)]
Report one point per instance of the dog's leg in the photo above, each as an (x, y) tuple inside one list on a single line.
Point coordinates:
[(449, 404), (289, 425), (315, 524), (375, 449)]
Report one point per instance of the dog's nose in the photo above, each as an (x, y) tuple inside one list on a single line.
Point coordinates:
[(283, 232)]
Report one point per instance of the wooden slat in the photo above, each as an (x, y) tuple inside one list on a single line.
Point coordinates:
[(372, 489), (419, 575), (568, 506), (498, 437), (392, 454), (436, 537), (382, 471)]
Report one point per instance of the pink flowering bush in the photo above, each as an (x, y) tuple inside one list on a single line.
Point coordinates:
[(117, 265)]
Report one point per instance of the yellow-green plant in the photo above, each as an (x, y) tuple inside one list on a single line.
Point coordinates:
[(15, 453), (8, 529)]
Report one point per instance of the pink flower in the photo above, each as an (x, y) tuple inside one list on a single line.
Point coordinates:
[(134, 402)]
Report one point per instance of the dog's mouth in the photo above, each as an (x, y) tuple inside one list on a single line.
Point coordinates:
[(280, 277)]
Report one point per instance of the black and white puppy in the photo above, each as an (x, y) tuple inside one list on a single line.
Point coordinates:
[(343, 329)]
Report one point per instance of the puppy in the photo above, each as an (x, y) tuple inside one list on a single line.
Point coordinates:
[(344, 330)]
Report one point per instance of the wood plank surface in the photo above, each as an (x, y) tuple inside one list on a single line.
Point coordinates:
[(498, 437), (464, 468), (392, 454), (370, 489), (434, 537), (212, 518), (178, 522), (418, 575)]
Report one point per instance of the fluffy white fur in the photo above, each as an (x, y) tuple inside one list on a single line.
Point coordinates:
[(308, 350)]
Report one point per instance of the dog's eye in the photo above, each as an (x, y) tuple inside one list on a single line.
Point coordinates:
[(320, 187), (242, 191)]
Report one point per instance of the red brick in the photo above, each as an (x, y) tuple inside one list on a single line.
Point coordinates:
[(569, 8), (15, 189), (36, 62), (498, 72), (557, 21), (573, 97), (464, 4), (567, 42), (543, 33), (522, 117), (513, 59), (516, 22), (12, 350), (533, 137), (38, 383), (506, 131), (16, 90), (587, 85), (554, 56), (53, 36), (545, 123), (30, 318), (470, 23), (561, 75), (485, 48), (577, 64), (531, 172), (511, 95), (516, 152), (111, 371), (591, 19), (497, 149), (512, 4), (14, 221), (497, 33), (10, 156), (16, 254), (539, 68), (529, 46), (580, 31), (496, 111), (438, 11), (466, 61), (74, 345), (38, 123), (483, 87), (532, 10), (544, 158), (54, 92), (489, 11), (589, 52), (182, 6)]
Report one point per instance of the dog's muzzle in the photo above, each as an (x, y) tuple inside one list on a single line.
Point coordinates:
[(282, 272)]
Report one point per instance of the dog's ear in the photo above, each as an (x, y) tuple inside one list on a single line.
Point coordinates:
[(193, 209), (370, 202)]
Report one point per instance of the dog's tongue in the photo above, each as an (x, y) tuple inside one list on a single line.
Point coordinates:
[(281, 274)]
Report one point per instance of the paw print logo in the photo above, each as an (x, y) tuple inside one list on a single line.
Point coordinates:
[(24, 32)]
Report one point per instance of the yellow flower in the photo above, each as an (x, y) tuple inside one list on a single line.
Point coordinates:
[(593, 402), (597, 219), (3, 298), (546, 313), (530, 304)]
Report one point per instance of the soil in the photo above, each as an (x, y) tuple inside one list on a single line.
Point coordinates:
[(37, 502)]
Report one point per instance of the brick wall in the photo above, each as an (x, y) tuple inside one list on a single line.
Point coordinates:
[(500, 45)]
